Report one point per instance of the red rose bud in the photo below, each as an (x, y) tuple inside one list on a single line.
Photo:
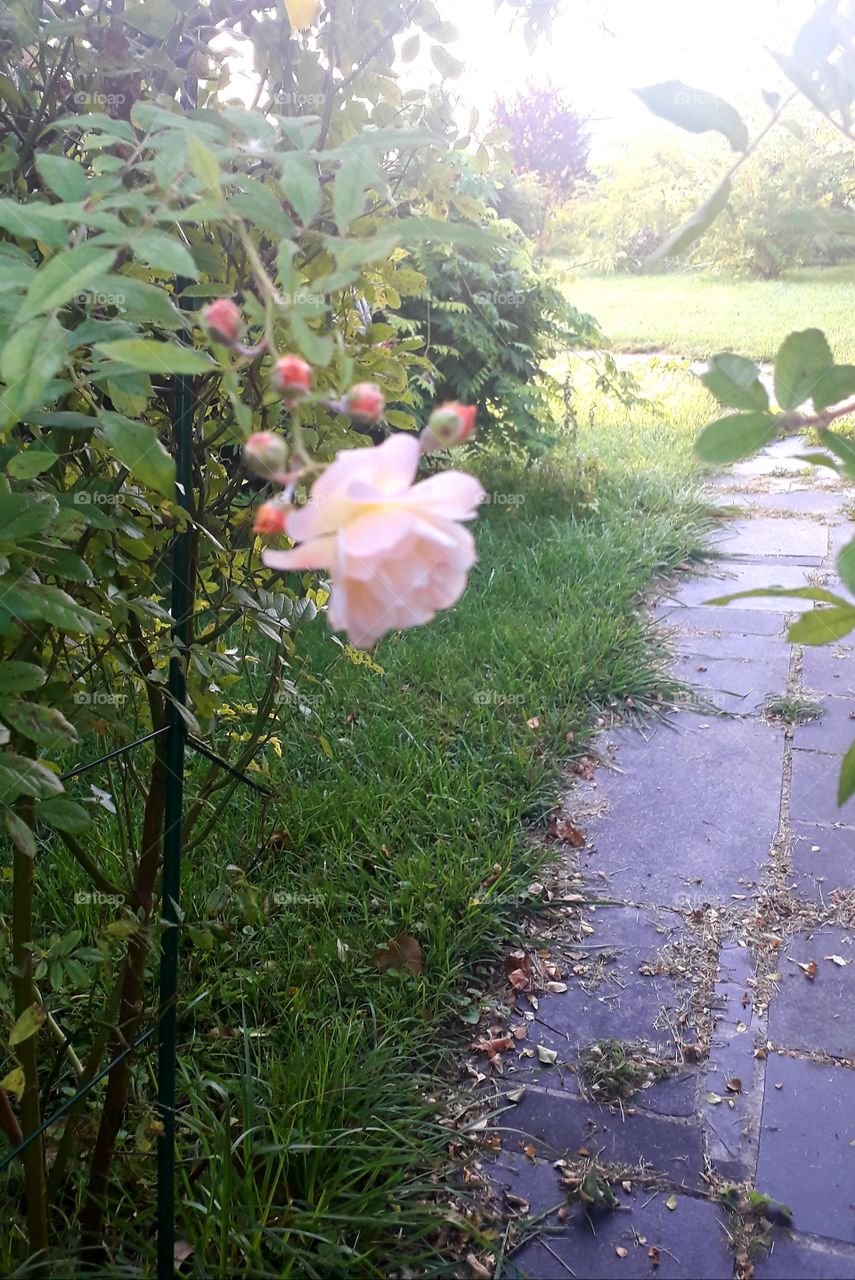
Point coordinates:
[(270, 519), (291, 374), (223, 321), (266, 454), (452, 422), (365, 402)]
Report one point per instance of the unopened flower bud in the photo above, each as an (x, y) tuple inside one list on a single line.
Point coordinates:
[(365, 402), (451, 423), (291, 374), (223, 321), (270, 519), (266, 454)]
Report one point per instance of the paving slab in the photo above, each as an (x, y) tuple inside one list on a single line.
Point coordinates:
[(829, 669), (816, 1014), (807, 1156), (556, 1124), (833, 731), (730, 1113), (800, 541), (683, 825), (823, 860), (806, 1257), (813, 794), (810, 502), (720, 621), (534, 1181), (738, 576), (691, 1240), (733, 681)]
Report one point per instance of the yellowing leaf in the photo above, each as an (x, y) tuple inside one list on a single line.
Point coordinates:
[(302, 13), (14, 1083), (27, 1025), (547, 1056)]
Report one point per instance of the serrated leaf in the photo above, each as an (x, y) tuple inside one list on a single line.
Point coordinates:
[(734, 380), (46, 726), (835, 386), (65, 274), (66, 178), (300, 184), (164, 253), (30, 463), (203, 163), (349, 191), (21, 776), (20, 677), (694, 226), (28, 361), (822, 626), (151, 356), (695, 110), (63, 815), (136, 445), (19, 833), (48, 604), (316, 347), (27, 1025), (22, 515), (446, 64), (735, 436), (803, 361)]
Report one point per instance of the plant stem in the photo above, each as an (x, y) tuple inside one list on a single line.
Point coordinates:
[(23, 884)]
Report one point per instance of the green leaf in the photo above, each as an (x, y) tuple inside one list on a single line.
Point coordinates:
[(842, 448), (699, 222), (30, 463), (20, 776), (410, 48), (27, 1025), (300, 184), (151, 356), (63, 815), (317, 348), (30, 358), (47, 604), (19, 833), (62, 276), (803, 361), (32, 221), (66, 178), (822, 626), (164, 253), (446, 64), (695, 110), (799, 593), (836, 385), (22, 515), (735, 436), (349, 191), (846, 564), (846, 782), (734, 380), (136, 445), (203, 163), (46, 726), (20, 677)]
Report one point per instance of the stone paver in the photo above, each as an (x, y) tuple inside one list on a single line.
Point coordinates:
[(721, 835), (669, 835), (690, 1240), (823, 859), (794, 1255), (807, 1160)]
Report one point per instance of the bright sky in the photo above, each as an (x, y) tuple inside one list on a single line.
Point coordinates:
[(599, 49)]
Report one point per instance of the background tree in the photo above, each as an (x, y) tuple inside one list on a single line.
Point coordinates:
[(547, 137)]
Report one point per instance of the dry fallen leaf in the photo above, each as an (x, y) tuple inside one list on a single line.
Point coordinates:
[(837, 960), (653, 1255), (671, 1203), (477, 1268), (556, 987), (809, 969), (565, 830), (402, 953), (547, 1056), (620, 1251), (494, 1046), (533, 723), (531, 1151), (734, 1085), (714, 1099)]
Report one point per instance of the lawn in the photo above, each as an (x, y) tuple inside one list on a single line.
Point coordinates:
[(405, 790), (697, 315)]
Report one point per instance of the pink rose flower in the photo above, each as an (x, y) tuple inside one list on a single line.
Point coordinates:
[(266, 454), (394, 549), (270, 519), (223, 321), (450, 424)]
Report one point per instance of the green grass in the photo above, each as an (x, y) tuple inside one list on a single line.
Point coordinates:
[(696, 315), (311, 1132)]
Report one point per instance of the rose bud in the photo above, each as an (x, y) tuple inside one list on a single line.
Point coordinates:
[(266, 454), (270, 519), (452, 422), (365, 402), (223, 321), (291, 374)]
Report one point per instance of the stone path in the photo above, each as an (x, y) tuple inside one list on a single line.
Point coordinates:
[(724, 941)]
